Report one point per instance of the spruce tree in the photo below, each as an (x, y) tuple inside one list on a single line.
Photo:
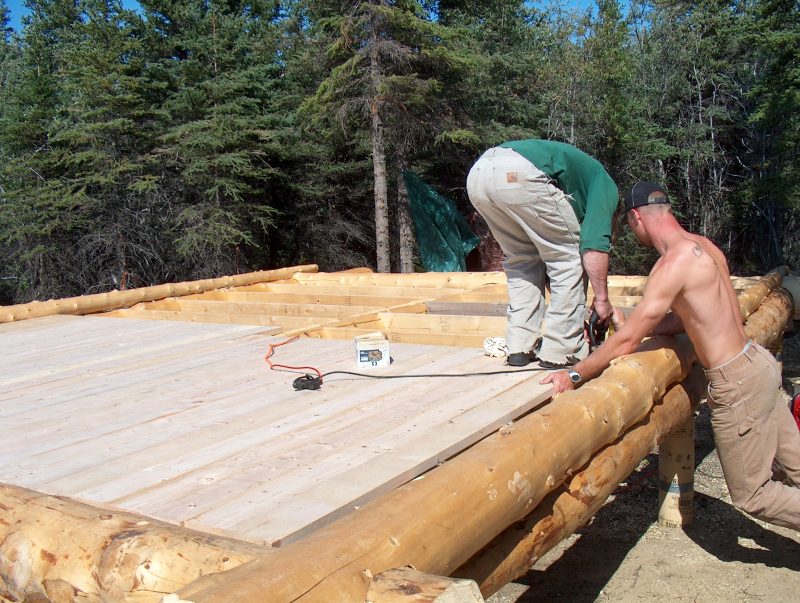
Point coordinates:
[(774, 189), (387, 57), (216, 155)]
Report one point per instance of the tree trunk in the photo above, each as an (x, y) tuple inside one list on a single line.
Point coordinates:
[(404, 219), (382, 250)]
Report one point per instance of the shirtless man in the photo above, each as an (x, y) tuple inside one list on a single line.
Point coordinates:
[(751, 423)]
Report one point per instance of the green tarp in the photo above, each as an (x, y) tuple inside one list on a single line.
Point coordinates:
[(443, 236)]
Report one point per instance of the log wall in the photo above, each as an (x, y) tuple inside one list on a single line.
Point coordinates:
[(545, 475), (436, 524), (101, 302)]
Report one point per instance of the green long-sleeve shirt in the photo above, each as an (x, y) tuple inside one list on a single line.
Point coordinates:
[(592, 193)]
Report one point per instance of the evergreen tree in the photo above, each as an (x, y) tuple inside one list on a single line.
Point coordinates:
[(387, 57), (36, 223), (695, 115), (218, 157), (774, 188)]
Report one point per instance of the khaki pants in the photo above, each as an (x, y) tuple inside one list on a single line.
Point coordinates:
[(536, 227), (752, 428)]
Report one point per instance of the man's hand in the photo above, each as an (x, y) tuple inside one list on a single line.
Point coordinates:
[(560, 380), (604, 310)]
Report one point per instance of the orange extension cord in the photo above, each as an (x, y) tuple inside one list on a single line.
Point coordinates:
[(273, 366)]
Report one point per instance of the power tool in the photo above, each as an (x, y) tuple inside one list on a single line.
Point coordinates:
[(597, 331)]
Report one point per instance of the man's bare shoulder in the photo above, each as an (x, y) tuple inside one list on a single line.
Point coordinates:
[(691, 251), (684, 262)]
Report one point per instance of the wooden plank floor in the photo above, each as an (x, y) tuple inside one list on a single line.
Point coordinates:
[(184, 422)]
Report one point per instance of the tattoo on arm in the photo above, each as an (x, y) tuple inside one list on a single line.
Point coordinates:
[(698, 251)]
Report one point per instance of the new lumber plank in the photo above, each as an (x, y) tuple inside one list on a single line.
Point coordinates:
[(282, 323), (467, 308), (195, 435), (442, 323), (272, 309), (308, 296), (372, 290), (471, 340), (458, 280)]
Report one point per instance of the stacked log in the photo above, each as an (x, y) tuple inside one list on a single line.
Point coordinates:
[(114, 300), (438, 523), (569, 507), (545, 476)]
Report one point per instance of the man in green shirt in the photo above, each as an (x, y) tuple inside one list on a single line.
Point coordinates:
[(550, 206)]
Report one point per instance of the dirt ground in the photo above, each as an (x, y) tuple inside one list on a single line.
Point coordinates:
[(624, 555)]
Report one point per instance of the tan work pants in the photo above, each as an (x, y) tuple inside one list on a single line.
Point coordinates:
[(536, 227), (752, 427)]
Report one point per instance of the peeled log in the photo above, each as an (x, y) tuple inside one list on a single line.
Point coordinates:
[(767, 324), (750, 299), (513, 552), (60, 550), (113, 300), (438, 522)]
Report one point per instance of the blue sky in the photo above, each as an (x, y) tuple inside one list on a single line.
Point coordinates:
[(18, 10)]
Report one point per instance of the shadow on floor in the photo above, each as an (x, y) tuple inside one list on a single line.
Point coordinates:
[(729, 535)]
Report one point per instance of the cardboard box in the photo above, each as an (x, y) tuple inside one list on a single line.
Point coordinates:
[(372, 351)]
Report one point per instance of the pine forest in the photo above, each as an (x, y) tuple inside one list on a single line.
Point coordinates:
[(189, 139)]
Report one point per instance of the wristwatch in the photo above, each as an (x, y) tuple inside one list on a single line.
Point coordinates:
[(574, 376)]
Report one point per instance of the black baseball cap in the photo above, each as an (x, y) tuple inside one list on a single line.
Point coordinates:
[(645, 193)]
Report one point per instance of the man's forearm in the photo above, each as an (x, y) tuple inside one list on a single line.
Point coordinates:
[(596, 265)]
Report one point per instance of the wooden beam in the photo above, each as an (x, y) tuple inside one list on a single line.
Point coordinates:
[(372, 290), (337, 311), (467, 308), (100, 302), (492, 294), (283, 322), (323, 312), (50, 546), (309, 297), (457, 280), (465, 340), (485, 326), (512, 553), (750, 299)]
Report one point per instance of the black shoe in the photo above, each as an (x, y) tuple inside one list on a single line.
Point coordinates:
[(521, 358), (570, 361), (525, 358)]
